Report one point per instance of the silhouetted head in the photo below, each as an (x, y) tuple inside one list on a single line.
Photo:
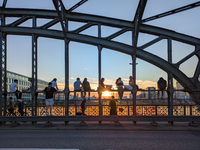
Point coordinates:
[(16, 81), (77, 79), (85, 79), (50, 84), (54, 79)]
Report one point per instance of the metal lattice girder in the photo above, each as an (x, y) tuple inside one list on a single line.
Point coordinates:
[(49, 24), (77, 5), (20, 21), (4, 3), (123, 30), (186, 82), (61, 11), (104, 21), (137, 22), (171, 12)]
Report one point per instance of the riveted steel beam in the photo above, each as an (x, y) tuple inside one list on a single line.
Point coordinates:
[(20, 21), (49, 24), (135, 32), (151, 42), (60, 8), (3, 74), (4, 3), (112, 36), (77, 5), (84, 27), (171, 12), (79, 17)]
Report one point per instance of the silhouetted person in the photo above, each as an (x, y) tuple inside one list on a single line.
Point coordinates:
[(77, 87), (86, 87), (83, 105), (54, 85), (49, 97), (162, 84), (119, 83), (14, 88), (113, 106)]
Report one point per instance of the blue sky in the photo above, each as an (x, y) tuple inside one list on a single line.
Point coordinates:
[(84, 57)]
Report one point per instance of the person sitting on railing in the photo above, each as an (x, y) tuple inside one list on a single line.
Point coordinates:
[(11, 106), (119, 84), (54, 85), (162, 84), (86, 87), (78, 87), (28, 89), (14, 89), (104, 87)]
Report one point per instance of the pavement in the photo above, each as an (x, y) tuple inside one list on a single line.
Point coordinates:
[(106, 125)]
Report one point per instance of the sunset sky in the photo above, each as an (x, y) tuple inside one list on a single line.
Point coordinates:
[(84, 57)]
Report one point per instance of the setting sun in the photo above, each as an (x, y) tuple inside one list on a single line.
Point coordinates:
[(106, 93)]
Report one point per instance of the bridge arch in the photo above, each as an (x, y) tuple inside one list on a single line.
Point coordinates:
[(91, 20)]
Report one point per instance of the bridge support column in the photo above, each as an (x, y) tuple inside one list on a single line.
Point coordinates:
[(99, 76), (34, 71), (3, 56), (67, 77), (170, 81), (99, 72)]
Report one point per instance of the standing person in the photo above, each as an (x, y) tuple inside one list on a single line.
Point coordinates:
[(119, 83), (49, 97), (162, 84), (83, 105), (77, 87), (20, 105), (54, 85), (86, 87), (14, 88), (11, 106), (113, 106)]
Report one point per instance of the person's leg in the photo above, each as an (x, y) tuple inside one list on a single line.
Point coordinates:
[(81, 93), (47, 105), (74, 94), (157, 94), (88, 95), (162, 94), (85, 93), (16, 94), (50, 109)]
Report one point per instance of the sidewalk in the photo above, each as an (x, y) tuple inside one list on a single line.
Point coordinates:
[(106, 125)]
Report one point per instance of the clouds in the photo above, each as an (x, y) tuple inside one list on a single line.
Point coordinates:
[(143, 84)]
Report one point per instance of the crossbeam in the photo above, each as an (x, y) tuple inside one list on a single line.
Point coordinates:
[(171, 12), (77, 5)]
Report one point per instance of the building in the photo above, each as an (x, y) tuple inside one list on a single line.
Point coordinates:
[(23, 82), (151, 94)]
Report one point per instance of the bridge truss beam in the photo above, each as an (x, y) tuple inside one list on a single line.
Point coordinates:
[(91, 20)]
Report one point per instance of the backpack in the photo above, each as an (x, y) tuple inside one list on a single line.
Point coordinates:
[(162, 84)]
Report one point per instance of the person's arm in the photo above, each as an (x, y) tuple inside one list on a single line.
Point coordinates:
[(45, 90)]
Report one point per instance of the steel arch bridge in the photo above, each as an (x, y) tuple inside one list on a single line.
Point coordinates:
[(63, 16)]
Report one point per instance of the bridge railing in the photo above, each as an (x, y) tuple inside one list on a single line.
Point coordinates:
[(147, 104)]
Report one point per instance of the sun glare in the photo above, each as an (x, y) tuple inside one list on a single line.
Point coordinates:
[(106, 93)]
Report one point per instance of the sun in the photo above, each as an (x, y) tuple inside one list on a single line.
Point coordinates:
[(106, 93)]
